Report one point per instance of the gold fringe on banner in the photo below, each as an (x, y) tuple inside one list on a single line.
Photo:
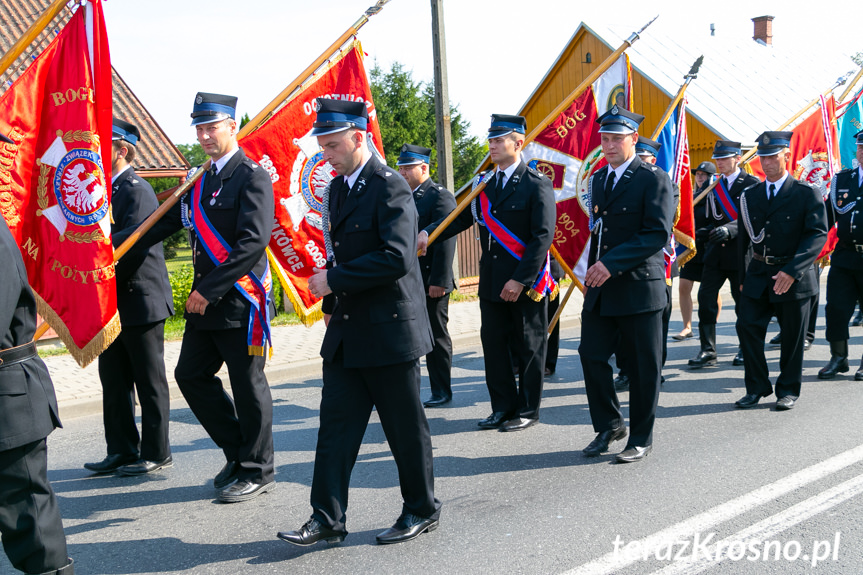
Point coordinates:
[(83, 355), (690, 252), (308, 316)]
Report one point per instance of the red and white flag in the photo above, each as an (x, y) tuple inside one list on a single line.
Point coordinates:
[(285, 148), (568, 153), (55, 182)]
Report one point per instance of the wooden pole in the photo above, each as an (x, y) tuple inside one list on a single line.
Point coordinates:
[(250, 127), (748, 155), (851, 85), (693, 73), (30, 35), (562, 305), (551, 117)]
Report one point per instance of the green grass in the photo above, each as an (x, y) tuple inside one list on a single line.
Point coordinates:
[(184, 257)]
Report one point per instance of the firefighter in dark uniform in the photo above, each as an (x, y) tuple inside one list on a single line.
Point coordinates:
[(30, 523), (632, 215), (720, 258), (434, 202), (784, 223), (513, 306), (377, 329), (845, 281), (234, 214), (136, 359)]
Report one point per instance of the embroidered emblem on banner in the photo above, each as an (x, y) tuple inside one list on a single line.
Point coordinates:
[(71, 174), (310, 174)]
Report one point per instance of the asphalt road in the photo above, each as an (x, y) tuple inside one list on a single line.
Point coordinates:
[(776, 490)]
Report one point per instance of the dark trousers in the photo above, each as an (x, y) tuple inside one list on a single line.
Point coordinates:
[(30, 521), (439, 359), (523, 325), (638, 338), (553, 345), (712, 280), (242, 428), (753, 318), (347, 399), (136, 362), (844, 289), (666, 320)]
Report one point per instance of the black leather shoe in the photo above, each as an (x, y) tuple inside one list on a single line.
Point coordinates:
[(621, 383), (495, 420), (807, 345), (436, 401), (748, 400), (835, 366), (633, 454), (143, 466), (518, 424), (548, 372), (111, 463), (738, 359), (244, 490), (703, 359), (602, 440), (858, 376), (776, 339), (311, 532), (227, 475), (857, 321), (785, 403), (407, 527)]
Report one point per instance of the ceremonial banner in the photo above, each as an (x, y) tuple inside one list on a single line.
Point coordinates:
[(850, 122), (55, 182), (567, 151), (673, 157), (295, 163)]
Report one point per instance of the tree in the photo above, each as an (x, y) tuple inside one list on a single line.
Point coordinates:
[(406, 114), (193, 153)]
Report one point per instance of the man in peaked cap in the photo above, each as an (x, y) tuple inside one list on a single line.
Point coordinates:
[(516, 208), (377, 329), (230, 214), (625, 290), (136, 359), (30, 521), (433, 203), (846, 265), (720, 257), (785, 225)]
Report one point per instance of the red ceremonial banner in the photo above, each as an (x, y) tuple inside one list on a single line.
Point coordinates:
[(55, 182), (295, 163)]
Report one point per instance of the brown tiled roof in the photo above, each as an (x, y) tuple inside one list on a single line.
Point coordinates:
[(156, 154)]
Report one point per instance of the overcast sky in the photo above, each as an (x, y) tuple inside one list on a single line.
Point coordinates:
[(167, 50)]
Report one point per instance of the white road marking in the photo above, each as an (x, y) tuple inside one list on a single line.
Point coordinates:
[(703, 522), (767, 528)]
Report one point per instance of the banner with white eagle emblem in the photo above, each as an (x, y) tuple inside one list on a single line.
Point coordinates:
[(55, 182)]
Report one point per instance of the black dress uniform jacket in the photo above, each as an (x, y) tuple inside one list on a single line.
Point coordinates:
[(639, 215), (243, 215), (378, 303), (794, 229), (434, 202), (723, 255), (526, 208), (143, 290), (849, 226), (30, 522)]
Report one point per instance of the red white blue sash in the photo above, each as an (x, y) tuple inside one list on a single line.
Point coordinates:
[(725, 200), (254, 289), (545, 284)]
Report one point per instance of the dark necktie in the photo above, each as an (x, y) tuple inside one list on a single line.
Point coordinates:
[(609, 183), (499, 187), (725, 183), (771, 192), (341, 196)]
